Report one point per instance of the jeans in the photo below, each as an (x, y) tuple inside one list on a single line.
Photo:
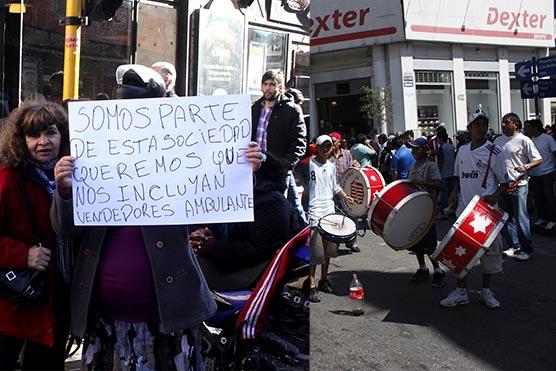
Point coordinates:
[(447, 186), (542, 188), (517, 231), (293, 197)]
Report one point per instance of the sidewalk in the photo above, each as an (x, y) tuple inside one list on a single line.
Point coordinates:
[(404, 327)]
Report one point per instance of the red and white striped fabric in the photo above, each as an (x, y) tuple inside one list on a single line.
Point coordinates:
[(252, 318)]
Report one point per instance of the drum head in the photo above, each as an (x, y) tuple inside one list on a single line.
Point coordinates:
[(338, 225), (361, 184), (410, 221)]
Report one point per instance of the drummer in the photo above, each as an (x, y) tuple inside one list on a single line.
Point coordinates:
[(323, 185), (425, 174), (481, 170), (342, 160)]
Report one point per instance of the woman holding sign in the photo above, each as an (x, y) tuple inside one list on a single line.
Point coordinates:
[(34, 319), (138, 295)]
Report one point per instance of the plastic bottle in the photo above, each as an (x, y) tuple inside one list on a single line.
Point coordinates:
[(356, 294)]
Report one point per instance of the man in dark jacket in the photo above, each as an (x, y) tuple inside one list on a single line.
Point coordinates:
[(235, 261), (278, 127)]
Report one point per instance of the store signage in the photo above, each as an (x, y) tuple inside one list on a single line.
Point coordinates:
[(338, 25), (499, 22)]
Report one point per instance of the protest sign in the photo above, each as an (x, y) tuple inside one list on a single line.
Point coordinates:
[(161, 161)]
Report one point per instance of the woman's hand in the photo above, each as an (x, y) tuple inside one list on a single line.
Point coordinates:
[(254, 155), (38, 258), (202, 241), (63, 174)]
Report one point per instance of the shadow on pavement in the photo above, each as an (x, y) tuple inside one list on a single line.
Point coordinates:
[(519, 335)]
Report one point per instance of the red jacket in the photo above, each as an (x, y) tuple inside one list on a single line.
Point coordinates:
[(34, 322)]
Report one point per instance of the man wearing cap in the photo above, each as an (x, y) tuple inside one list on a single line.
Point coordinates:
[(521, 155), (425, 174), (323, 186), (278, 127), (481, 170), (343, 161)]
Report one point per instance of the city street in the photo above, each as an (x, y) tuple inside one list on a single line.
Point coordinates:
[(404, 327)]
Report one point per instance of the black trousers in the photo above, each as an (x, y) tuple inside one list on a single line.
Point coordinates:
[(35, 356)]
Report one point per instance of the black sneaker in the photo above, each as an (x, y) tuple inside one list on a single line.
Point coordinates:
[(420, 276), (437, 279), (326, 286), (314, 295), (353, 248)]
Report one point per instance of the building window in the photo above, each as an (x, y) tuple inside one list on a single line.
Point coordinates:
[(481, 89), (267, 51), (435, 103)]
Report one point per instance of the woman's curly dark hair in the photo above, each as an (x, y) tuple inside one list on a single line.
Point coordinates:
[(30, 119)]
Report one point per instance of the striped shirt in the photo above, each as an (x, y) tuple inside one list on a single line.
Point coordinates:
[(262, 127)]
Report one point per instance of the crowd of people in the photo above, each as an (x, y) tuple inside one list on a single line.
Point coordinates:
[(133, 294), (501, 168)]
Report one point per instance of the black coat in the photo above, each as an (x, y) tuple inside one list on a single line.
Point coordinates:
[(251, 243), (286, 131)]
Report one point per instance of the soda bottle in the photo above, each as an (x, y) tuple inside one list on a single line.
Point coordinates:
[(356, 294)]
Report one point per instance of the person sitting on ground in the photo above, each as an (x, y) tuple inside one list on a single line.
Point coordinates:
[(234, 258), (425, 174)]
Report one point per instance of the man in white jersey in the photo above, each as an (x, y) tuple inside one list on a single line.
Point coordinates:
[(323, 185), (520, 155), (481, 170), (543, 176)]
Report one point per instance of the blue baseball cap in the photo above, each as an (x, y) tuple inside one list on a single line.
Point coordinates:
[(418, 142)]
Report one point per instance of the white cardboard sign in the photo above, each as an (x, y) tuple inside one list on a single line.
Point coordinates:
[(161, 161)]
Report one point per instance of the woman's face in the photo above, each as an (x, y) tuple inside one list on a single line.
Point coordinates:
[(44, 146)]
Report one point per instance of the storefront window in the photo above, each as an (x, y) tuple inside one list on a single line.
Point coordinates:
[(300, 76), (267, 51), (104, 46), (482, 95), (435, 101)]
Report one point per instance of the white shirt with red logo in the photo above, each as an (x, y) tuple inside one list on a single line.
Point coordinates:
[(471, 169)]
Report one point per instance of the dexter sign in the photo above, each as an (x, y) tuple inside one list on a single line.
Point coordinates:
[(499, 22), (338, 25)]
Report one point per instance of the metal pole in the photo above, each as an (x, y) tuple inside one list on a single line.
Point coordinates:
[(535, 86), (72, 49), (20, 87)]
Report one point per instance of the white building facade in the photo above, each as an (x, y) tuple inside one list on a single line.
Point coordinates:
[(442, 60)]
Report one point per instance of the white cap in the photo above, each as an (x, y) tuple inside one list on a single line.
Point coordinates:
[(323, 138), (476, 115)]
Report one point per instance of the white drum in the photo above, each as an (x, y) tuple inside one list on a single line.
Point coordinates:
[(337, 228)]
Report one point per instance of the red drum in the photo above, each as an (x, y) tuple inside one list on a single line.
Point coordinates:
[(401, 214), (361, 184), (470, 236)]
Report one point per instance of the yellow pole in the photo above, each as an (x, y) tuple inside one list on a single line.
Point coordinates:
[(72, 49)]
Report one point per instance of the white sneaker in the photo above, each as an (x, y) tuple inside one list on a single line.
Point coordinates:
[(523, 256), (549, 225), (539, 222), (488, 299), (456, 297), (512, 251)]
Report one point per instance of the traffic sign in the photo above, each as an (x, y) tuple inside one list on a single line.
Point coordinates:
[(524, 70), (547, 88), (546, 66), (527, 90)]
